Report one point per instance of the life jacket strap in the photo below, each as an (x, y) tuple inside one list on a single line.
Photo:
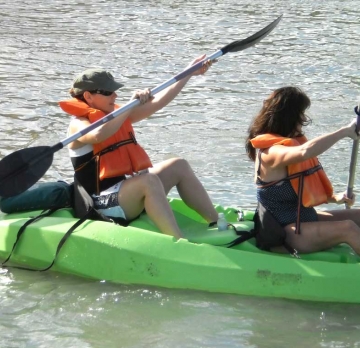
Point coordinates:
[(301, 175), (97, 156)]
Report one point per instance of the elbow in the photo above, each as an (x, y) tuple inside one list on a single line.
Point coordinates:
[(307, 153), (98, 138), (94, 137)]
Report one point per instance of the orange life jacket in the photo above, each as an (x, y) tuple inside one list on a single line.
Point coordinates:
[(317, 187), (126, 159)]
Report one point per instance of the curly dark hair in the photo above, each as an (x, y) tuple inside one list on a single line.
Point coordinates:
[(282, 113)]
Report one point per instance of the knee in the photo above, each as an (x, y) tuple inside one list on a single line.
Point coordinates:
[(181, 165), (351, 227), (151, 181)]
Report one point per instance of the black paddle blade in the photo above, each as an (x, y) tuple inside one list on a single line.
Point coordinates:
[(23, 168), (240, 45)]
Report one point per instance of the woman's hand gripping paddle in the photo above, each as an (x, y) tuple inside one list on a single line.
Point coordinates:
[(353, 160), (23, 168)]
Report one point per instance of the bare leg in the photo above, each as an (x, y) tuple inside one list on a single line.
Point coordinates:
[(322, 235), (177, 172), (146, 191), (340, 215)]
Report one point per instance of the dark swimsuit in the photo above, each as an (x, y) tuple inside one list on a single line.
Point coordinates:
[(281, 200)]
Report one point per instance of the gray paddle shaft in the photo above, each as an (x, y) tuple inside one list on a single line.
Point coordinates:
[(235, 46), (353, 161), (133, 103), (23, 168)]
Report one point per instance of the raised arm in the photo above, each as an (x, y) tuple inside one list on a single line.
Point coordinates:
[(163, 98), (282, 156)]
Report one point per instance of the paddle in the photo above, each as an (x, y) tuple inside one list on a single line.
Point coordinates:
[(353, 160), (23, 168)]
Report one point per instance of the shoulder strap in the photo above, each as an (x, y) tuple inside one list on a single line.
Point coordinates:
[(243, 235), (21, 231), (84, 209), (107, 149), (63, 240), (259, 162)]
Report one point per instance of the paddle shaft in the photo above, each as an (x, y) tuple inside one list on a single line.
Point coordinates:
[(353, 161), (22, 168), (133, 103), (232, 47)]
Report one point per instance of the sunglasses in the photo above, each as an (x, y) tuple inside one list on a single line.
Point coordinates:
[(102, 92)]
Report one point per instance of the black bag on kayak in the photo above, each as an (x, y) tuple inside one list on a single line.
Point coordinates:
[(268, 232), (78, 199), (83, 206), (46, 196)]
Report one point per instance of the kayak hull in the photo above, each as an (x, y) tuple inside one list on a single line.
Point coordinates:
[(139, 254)]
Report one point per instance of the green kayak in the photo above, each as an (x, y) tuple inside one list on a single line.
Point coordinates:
[(139, 254)]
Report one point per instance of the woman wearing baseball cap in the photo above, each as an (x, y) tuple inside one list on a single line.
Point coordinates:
[(114, 169)]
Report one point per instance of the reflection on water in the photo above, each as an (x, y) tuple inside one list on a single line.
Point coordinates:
[(44, 44), (42, 309)]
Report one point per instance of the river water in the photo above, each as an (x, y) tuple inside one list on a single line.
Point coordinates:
[(44, 44)]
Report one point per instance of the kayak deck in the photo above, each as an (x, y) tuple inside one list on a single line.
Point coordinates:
[(139, 254)]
